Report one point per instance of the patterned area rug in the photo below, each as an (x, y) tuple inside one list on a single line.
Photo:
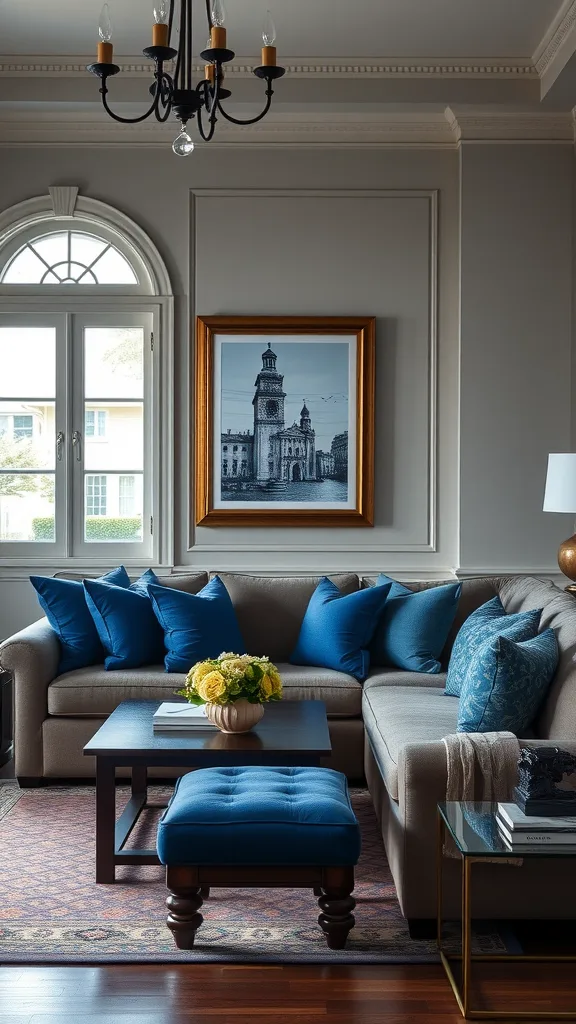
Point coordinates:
[(51, 910)]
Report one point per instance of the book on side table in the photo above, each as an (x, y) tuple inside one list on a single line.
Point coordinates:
[(181, 716), (521, 831)]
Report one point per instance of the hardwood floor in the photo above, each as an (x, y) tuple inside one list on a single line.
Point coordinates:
[(239, 994)]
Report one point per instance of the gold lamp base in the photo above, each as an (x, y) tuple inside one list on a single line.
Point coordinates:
[(567, 561)]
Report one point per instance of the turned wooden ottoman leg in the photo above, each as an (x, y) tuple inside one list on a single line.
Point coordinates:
[(184, 902), (337, 904)]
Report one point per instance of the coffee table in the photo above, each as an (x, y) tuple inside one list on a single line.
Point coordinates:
[(293, 733)]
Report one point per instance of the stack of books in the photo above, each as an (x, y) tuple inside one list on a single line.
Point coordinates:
[(181, 717), (522, 833)]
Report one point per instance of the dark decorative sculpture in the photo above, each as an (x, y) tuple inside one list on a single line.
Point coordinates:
[(546, 782)]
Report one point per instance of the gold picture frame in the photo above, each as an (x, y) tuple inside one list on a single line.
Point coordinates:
[(278, 477)]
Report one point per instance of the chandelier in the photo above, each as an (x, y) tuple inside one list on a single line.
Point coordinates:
[(176, 93)]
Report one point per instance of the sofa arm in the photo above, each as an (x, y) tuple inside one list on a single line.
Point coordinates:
[(32, 657)]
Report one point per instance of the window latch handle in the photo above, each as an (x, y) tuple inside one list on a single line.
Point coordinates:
[(59, 444), (77, 444)]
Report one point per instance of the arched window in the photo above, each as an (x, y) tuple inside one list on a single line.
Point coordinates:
[(85, 433)]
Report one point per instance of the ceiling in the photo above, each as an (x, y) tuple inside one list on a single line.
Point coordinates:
[(306, 28), (358, 71)]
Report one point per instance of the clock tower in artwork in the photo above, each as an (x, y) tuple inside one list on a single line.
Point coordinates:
[(268, 405)]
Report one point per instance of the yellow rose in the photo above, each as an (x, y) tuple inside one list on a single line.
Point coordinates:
[(212, 687), (199, 671), (267, 686)]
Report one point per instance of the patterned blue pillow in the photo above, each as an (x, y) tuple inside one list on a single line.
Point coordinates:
[(486, 622), (506, 683)]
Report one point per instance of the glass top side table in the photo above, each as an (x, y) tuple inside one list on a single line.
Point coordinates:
[(475, 834)]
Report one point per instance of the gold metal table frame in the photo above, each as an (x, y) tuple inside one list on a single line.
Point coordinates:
[(467, 957)]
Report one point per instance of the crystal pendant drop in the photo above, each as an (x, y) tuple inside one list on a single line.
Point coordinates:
[(183, 145)]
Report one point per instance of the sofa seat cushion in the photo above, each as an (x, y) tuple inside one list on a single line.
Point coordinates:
[(398, 677), (397, 715), (93, 691), (341, 693)]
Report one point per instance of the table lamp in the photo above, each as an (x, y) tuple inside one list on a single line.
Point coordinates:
[(560, 496)]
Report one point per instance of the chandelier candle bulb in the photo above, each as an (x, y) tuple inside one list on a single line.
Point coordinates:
[(210, 73), (269, 38), (105, 48)]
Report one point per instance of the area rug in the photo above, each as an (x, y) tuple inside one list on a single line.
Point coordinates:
[(51, 909)]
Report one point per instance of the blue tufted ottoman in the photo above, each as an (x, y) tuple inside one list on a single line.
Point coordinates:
[(260, 827)]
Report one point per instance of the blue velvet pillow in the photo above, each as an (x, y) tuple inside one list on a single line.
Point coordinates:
[(196, 626), (64, 605), (337, 630), (127, 627), (506, 683), (414, 626), (486, 622)]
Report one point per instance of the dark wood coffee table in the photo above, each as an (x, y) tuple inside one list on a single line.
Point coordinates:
[(290, 733)]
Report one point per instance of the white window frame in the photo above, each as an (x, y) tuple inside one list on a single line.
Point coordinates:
[(68, 306)]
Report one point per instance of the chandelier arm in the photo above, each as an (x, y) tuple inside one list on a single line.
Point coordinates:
[(209, 15), (203, 87), (252, 120), (129, 120), (170, 20), (164, 108)]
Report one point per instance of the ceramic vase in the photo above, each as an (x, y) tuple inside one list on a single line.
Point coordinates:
[(238, 717)]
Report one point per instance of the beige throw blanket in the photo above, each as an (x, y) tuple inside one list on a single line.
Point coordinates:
[(481, 766)]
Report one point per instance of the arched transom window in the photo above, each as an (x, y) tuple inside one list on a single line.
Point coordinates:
[(81, 478), (68, 257)]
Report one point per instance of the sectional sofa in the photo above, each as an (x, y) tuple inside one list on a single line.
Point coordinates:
[(388, 730)]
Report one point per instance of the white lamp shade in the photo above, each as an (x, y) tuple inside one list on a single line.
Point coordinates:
[(560, 494)]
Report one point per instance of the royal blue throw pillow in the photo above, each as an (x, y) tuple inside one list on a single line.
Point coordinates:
[(506, 683), (125, 622), (486, 622), (414, 626), (196, 626), (64, 605), (337, 630)]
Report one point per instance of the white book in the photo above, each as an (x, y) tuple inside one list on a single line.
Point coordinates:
[(537, 838), (517, 821), (181, 716)]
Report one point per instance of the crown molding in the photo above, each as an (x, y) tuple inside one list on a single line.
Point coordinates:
[(510, 126), (557, 34), (48, 66), (446, 128)]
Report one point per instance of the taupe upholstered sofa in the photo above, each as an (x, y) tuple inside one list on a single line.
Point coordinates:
[(390, 728)]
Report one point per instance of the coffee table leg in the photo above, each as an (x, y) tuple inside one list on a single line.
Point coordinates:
[(139, 780), (105, 819)]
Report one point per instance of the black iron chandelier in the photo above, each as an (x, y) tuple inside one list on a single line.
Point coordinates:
[(176, 93)]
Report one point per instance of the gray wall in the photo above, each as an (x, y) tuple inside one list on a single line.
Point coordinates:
[(502, 393)]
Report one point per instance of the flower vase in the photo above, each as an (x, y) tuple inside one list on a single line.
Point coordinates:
[(241, 716)]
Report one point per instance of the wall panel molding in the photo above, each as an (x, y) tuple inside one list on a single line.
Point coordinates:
[(427, 543)]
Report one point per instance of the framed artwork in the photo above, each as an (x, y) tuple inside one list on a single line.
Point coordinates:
[(284, 421)]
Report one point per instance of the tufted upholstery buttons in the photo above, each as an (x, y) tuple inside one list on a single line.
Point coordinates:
[(260, 815)]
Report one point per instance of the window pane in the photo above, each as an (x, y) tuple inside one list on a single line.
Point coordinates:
[(28, 362), (113, 268), (113, 508), (27, 507), (27, 435), (114, 437), (25, 268), (52, 248), (85, 249), (114, 362)]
